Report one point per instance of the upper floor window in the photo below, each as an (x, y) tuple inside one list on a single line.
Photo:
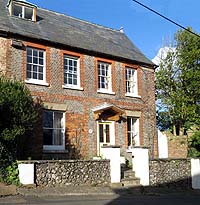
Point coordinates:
[(35, 66), (104, 77), (22, 9), (53, 130), (131, 82), (71, 71)]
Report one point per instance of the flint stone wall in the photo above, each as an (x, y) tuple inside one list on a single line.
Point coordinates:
[(71, 172), (170, 173)]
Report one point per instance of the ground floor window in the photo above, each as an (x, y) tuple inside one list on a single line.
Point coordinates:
[(133, 131), (53, 130)]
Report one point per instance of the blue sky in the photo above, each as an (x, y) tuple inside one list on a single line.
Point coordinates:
[(145, 29)]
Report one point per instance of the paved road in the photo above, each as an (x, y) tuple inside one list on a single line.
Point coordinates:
[(162, 199)]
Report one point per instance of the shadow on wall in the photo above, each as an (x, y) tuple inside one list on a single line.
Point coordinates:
[(74, 143), (167, 193)]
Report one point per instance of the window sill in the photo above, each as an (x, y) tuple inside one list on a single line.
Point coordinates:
[(106, 92), (36, 82), (132, 95), (72, 88), (55, 151)]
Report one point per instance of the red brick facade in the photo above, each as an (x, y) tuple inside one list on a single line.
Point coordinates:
[(78, 104)]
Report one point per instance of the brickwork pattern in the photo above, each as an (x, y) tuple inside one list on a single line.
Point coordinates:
[(177, 146), (80, 103)]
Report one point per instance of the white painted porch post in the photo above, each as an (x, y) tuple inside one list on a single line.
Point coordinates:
[(26, 173), (113, 154), (195, 172), (140, 161)]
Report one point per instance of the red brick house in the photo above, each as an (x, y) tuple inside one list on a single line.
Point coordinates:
[(95, 86)]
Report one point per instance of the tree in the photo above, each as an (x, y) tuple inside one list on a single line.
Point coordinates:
[(177, 83), (17, 117)]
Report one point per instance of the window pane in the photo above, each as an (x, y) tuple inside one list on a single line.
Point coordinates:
[(57, 119), (40, 69), (17, 11), (40, 76), (47, 137), (48, 119), (35, 53), (129, 123), (35, 60), (41, 62), (57, 137), (75, 81), (70, 62), (34, 75), (34, 68), (107, 133), (101, 133), (75, 63), (28, 67), (28, 13), (41, 54), (29, 52), (129, 139), (28, 74), (29, 59)]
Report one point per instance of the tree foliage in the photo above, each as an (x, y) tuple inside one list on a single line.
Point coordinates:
[(177, 83), (17, 117)]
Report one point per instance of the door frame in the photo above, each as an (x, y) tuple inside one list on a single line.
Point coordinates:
[(112, 134)]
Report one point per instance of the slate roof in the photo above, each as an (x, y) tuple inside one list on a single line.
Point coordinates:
[(66, 30)]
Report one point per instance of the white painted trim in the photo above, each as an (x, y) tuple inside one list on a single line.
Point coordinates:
[(36, 82), (113, 154), (140, 163), (105, 91), (72, 87), (26, 173), (112, 134), (195, 172), (132, 95)]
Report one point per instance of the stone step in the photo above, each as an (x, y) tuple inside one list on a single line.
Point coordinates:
[(130, 182), (129, 173)]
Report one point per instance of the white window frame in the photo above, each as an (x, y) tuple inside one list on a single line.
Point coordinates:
[(73, 58), (131, 82), (37, 65), (23, 11), (107, 77), (134, 131), (56, 147)]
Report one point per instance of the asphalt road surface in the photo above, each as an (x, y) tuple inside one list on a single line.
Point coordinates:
[(161, 199)]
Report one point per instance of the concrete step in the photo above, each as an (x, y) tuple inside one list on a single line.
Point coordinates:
[(128, 173), (130, 182)]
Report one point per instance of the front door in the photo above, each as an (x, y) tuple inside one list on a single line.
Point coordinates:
[(105, 135)]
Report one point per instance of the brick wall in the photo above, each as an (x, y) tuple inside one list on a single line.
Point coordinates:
[(177, 146), (79, 103)]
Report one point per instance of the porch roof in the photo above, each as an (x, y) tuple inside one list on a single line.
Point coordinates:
[(108, 112)]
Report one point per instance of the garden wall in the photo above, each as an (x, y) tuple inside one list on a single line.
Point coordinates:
[(170, 173), (71, 172)]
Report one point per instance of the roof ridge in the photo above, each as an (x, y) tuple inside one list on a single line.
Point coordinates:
[(81, 20)]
